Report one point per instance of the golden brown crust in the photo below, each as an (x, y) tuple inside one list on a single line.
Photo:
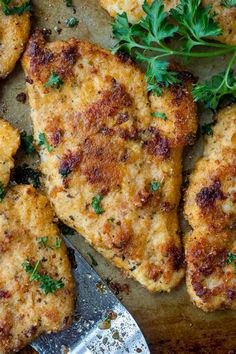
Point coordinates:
[(14, 33), (105, 142), (9, 143), (211, 210), (225, 17), (25, 312)]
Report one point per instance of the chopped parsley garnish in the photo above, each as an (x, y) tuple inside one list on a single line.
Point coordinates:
[(68, 3), (27, 175), (43, 142), (93, 260), (96, 204), (27, 143), (111, 219), (57, 243), (230, 259), (42, 241), (195, 25), (206, 129), (15, 10), (46, 283), (66, 230), (72, 22), (154, 186), (2, 192), (228, 3), (159, 115), (54, 81)]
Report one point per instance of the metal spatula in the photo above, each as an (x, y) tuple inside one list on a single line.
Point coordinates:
[(102, 324)]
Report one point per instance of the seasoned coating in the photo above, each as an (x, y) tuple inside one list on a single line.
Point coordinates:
[(25, 311), (226, 17), (14, 33), (9, 143), (210, 207), (104, 149)]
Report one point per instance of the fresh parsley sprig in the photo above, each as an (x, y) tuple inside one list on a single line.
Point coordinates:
[(228, 3), (149, 42)]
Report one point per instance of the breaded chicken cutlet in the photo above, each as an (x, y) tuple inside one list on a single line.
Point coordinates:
[(36, 284), (14, 33), (226, 17), (211, 211), (111, 169)]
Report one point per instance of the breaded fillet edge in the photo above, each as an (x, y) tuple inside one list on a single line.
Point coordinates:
[(211, 211), (9, 144), (175, 102), (14, 33), (25, 312), (226, 17)]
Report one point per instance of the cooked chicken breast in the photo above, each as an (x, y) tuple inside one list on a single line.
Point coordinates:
[(14, 33), (211, 210), (226, 17), (29, 235), (112, 170), (9, 143)]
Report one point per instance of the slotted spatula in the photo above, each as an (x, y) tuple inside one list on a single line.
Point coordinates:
[(102, 324)]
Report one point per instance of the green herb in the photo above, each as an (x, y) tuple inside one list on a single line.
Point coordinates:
[(68, 3), (230, 259), (154, 186), (218, 86), (228, 3), (2, 192), (54, 81), (57, 243), (27, 143), (149, 42), (66, 230), (43, 142), (46, 283), (96, 204), (111, 219), (159, 115), (26, 175), (16, 10), (206, 129), (72, 22), (93, 260), (42, 241)]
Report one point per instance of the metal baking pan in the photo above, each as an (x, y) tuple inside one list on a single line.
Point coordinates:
[(170, 323)]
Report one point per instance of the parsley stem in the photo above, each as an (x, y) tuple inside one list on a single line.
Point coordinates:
[(35, 270), (232, 60), (169, 51)]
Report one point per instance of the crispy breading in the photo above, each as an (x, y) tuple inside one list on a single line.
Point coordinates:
[(25, 311), (14, 33), (226, 17), (210, 207), (107, 146), (9, 143)]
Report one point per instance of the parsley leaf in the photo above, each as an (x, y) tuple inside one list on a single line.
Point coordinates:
[(228, 3), (27, 175), (46, 283), (206, 129), (230, 259), (154, 186), (148, 42), (96, 204), (42, 241), (68, 3), (2, 192), (27, 143), (72, 22), (159, 115), (57, 243), (43, 142), (54, 81), (16, 10)]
